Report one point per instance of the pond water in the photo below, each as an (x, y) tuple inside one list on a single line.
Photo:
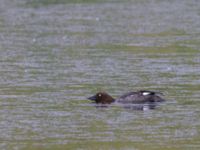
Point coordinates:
[(55, 54)]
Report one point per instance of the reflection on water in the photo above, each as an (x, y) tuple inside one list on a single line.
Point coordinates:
[(53, 56)]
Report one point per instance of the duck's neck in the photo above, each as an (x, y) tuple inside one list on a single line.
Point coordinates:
[(112, 100), (108, 99)]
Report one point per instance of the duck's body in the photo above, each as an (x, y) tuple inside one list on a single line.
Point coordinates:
[(138, 97)]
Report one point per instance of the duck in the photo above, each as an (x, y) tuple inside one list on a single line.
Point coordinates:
[(134, 97)]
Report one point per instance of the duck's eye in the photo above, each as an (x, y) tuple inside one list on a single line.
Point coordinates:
[(99, 95)]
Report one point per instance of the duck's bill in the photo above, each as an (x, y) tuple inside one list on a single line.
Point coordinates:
[(93, 98)]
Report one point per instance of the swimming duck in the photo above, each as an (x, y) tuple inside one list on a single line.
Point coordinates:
[(138, 97)]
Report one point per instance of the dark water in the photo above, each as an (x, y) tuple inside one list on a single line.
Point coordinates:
[(54, 54)]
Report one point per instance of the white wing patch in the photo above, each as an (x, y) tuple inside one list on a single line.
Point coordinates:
[(146, 93)]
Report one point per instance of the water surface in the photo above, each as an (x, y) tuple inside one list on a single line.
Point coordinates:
[(54, 54)]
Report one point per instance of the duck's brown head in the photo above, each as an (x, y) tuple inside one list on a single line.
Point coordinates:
[(102, 97)]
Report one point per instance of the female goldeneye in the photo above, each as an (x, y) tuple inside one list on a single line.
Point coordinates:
[(138, 97)]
